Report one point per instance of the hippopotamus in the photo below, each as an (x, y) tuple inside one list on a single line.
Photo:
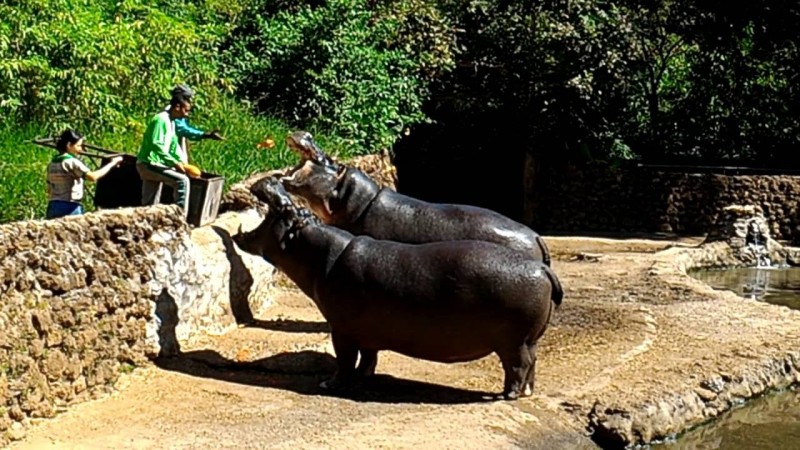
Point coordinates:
[(347, 198), (449, 301)]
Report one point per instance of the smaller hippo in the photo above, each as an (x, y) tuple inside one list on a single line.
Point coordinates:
[(450, 301), (347, 198)]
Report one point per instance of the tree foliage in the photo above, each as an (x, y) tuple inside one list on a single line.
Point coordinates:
[(341, 65), (103, 65), (576, 79)]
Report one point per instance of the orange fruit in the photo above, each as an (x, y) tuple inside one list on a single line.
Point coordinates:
[(267, 143), (192, 171)]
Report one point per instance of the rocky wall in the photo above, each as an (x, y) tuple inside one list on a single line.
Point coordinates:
[(85, 298), (601, 198)]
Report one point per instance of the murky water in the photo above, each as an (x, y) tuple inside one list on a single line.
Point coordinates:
[(771, 422), (776, 286)]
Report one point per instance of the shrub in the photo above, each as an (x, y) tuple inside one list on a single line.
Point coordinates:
[(99, 64), (343, 66)]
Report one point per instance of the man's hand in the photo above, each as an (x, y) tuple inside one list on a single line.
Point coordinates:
[(116, 160), (214, 135), (180, 168)]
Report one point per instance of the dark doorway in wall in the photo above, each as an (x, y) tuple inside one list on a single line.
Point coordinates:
[(471, 160)]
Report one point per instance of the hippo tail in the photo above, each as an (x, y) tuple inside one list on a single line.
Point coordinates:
[(557, 293), (544, 249)]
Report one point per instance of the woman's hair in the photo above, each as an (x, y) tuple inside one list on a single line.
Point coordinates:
[(67, 137)]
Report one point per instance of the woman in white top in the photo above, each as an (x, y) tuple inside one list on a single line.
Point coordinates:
[(65, 175)]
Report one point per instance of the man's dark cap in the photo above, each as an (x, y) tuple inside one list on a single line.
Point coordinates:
[(183, 91)]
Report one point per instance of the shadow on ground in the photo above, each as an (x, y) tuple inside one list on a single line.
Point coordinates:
[(240, 282), (291, 326), (301, 372), (622, 235)]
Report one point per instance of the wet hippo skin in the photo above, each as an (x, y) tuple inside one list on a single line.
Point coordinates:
[(449, 301), (347, 198)]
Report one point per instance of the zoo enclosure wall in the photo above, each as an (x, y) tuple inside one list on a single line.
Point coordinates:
[(650, 199)]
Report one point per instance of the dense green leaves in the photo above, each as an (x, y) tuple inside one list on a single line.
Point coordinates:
[(340, 65), (661, 80), (573, 79), (101, 65)]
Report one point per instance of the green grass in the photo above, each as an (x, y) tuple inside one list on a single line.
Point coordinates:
[(22, 170), (22, 165)]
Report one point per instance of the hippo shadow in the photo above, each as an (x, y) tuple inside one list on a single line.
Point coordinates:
[(291, 326), (302, 372), (240, 282)]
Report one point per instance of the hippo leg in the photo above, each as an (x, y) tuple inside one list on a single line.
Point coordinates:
[(530, 378), (532, 342), (346, 354), (369, 360), (516, 364)]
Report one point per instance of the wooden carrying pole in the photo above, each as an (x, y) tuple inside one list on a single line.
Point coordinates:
[(50, 142)]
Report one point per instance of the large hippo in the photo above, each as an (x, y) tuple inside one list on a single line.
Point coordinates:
[(448, 301), (347, 198)]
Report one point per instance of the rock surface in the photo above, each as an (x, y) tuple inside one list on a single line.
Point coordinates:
[(599, 197), (747, 232), (86, 298)]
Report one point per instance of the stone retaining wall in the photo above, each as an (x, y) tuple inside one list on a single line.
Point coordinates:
[(607, 199), (85, 298)]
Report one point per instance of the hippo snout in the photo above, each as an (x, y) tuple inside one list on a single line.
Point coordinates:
[(246, 241)]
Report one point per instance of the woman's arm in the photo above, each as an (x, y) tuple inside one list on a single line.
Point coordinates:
[(101, 172)]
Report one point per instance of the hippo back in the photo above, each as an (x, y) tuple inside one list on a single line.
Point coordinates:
[(397, 217), (428, 300)]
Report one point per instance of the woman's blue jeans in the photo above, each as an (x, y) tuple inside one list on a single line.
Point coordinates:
[(61, 208)]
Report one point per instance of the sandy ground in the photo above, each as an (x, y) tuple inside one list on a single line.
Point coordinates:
[(622, 337)]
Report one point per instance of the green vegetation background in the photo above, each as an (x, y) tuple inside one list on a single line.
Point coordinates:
[(575, 81)]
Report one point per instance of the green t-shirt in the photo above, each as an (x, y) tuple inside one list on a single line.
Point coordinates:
[(160, 143)]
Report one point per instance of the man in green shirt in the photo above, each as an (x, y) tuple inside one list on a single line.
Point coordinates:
[(158, 161), (185, 131)]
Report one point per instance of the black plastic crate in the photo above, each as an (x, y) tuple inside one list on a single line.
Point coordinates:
[(122, 187), (205, 194)]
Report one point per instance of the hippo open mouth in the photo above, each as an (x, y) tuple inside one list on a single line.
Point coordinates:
[(303, 143), (316, 184), (284, 218)]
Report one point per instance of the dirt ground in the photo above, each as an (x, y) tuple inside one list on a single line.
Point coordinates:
[(622, 337)]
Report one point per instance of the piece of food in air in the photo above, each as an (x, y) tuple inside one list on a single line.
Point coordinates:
[(266, 143)]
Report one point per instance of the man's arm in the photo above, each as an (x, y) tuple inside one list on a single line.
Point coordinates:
[(183, 129)]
